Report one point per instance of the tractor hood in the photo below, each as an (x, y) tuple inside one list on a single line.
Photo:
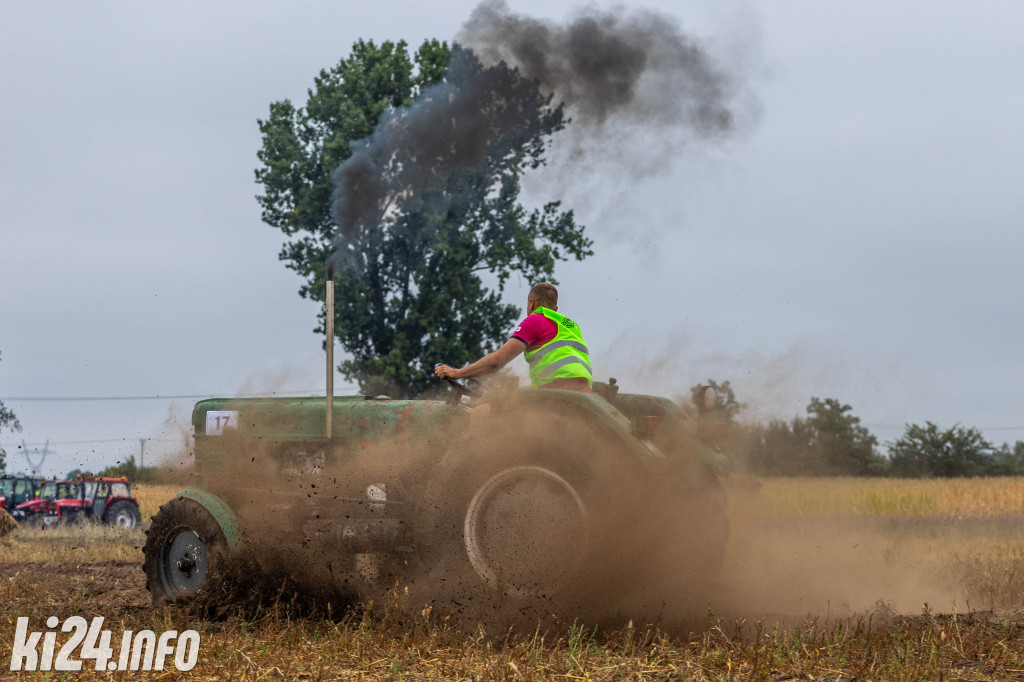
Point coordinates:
[(302, 419)]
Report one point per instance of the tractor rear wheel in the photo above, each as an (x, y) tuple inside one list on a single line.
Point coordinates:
[(124, 514), (184, 550), (526, 522)]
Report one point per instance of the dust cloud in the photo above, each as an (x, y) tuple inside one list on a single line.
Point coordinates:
[(568, 543), (651, 546), (825, 566)]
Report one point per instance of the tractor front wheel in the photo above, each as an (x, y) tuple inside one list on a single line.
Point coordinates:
[(184, 550)]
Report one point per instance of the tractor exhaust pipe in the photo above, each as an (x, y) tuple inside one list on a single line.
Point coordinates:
[(329, 425)]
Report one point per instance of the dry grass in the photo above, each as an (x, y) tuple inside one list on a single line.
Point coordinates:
[(959, 498), (92, 572), (7, 523), (151, 496), (385, 644), (86, 543)]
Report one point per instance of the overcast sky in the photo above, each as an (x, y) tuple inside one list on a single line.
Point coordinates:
[(860, 240)]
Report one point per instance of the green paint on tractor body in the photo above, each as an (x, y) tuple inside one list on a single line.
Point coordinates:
[(278, 424), (219, 510), (303, 419), (358, 418)]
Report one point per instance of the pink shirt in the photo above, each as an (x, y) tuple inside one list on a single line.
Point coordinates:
[(535, 331)]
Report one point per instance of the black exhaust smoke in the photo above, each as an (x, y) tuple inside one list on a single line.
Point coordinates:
[(635, 65), (512, 77)]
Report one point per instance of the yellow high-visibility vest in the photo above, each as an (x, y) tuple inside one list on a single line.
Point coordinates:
[(563, 357)]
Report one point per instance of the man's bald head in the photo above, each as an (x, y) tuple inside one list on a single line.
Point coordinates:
[(543, 295)]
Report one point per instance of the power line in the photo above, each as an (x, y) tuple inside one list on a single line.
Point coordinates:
[(198, 396), (96, 441), (980, 428), (68, 399)]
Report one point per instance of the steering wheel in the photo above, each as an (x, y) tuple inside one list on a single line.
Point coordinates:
[(470, 386)]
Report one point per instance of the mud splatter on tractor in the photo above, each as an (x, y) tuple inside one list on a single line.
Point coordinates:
[(525, 494)]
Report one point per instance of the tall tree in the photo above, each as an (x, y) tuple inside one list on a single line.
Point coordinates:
[(927, 451), (7, 421), (843, 445), (410, 282)]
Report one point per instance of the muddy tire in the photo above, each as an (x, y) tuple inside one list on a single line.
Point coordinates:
[(123, 514), (528, 524), (184, 551)]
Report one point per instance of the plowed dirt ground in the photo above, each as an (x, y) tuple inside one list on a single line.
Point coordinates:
[(804, 595)]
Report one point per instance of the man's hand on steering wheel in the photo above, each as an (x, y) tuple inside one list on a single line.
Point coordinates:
[(446, 372), (488, 364), (469, 386)]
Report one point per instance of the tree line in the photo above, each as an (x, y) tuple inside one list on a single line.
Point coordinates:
[(831, 441), (128, 468)]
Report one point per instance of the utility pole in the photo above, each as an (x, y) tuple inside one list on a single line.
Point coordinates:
[(329, 324), (142, 452)]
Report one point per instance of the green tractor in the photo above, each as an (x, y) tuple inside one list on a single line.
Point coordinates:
[(513, 495)]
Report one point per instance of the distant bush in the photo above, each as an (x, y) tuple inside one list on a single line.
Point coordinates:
[(829, 442), (133, 472), (929, 452), (128, 468)]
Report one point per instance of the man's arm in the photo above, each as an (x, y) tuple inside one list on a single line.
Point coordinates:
[(488, 364)]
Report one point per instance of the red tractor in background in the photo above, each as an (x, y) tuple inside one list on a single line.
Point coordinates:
[(106, 500), (42, 509)]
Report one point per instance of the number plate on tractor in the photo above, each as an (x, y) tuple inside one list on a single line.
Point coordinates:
[(218, 420)]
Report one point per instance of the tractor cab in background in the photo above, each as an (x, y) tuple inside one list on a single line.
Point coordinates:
[(15, 490)]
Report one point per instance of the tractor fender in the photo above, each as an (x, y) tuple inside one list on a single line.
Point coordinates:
[(219, 510), (588, 406)]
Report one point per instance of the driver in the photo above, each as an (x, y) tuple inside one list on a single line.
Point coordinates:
[(554, 347)]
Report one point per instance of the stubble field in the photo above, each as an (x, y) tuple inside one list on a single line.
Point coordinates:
[(834, 579)]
